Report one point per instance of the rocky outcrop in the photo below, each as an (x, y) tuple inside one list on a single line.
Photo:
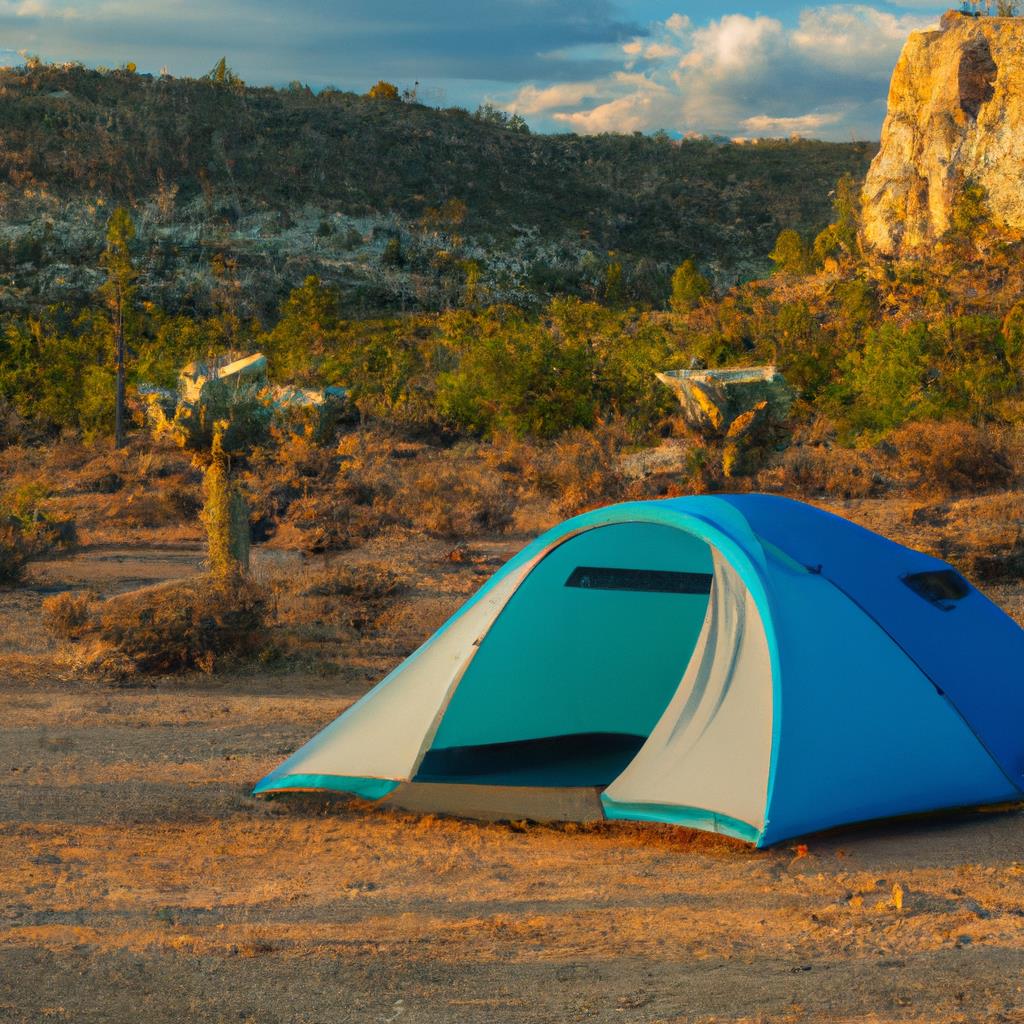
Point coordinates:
[(955, 118), (715, 402), (237, 396)]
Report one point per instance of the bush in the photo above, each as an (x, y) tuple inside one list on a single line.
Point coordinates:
[(689, 286), (355, 595), (952, 458), (455, 501), (367, 581), (814, 470), (24, 502), (13, 556), (582, 470), (65, 614), (196, 623)]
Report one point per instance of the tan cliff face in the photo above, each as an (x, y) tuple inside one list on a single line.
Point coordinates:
[(955, 115)]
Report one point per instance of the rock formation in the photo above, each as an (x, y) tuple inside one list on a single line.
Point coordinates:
[(955, 118), (713, 400), (237, 395)]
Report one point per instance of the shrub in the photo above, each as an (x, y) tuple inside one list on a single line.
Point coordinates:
[(367, 581), (13, 556), (24, 502), (354, 595), (455, 501), (816, 470), (518, 377), (689, 286), (790, 253), (891, 380), (582, 470), (65, 614), (188, 624), (952, 458)]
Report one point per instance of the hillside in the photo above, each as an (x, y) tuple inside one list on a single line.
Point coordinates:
[(290, 183)]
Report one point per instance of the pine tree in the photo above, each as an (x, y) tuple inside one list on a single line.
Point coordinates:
[(689, 286), (789, 254), (118, 292)]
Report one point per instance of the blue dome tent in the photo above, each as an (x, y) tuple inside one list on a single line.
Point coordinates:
[(743, 664)]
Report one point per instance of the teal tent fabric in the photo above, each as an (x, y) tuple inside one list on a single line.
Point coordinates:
[(562, 660), (895, 686)]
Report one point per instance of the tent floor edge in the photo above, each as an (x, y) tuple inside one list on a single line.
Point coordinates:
[(353, 785), (688, 817)]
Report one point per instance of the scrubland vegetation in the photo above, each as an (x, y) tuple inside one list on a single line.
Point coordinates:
[(397, 205), (477, 411)]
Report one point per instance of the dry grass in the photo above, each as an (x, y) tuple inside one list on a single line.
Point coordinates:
[(364, 581), (190, 624), (141, 874), (815, 471), (66, 614), (952, 458), (380, 484)]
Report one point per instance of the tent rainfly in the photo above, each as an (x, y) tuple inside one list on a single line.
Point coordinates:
[(743, 664)]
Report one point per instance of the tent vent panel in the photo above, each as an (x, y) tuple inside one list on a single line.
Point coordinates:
[(939, 587), (648, 581)]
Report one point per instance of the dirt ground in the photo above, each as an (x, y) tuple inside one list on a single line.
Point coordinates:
[(140, 882)]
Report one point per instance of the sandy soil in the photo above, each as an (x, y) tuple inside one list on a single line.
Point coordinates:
[(142, 883)]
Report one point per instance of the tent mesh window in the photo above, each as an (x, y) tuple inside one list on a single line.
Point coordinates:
[(648, 581), (940, 587)]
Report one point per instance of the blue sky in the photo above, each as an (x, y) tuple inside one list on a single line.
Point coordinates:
[(774, 68)]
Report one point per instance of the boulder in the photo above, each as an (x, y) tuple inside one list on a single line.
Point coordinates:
[(238, 394), (712, 400)]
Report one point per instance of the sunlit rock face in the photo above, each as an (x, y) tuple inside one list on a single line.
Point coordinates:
[(956, 115)]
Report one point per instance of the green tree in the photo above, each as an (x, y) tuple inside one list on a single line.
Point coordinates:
[(487, 113), (118, 292), (307, 329), (613, 289), (689, 286), (840, 237), (892, 380), (803, 351), (516, 375), (789, 254)]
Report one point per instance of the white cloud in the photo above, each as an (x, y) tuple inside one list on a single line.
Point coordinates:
[(678, 24), (732, 43), (825, 75), (38, 9), (759, 124), (660, 51), (631, 113), (531, 100), (853, 37)]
